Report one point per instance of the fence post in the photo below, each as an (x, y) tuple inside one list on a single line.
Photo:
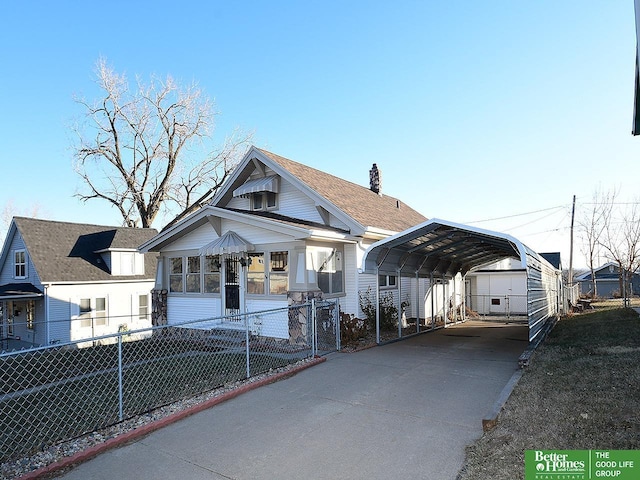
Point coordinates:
[(246, 341), (336, 310), (120, 373), (314, 315)]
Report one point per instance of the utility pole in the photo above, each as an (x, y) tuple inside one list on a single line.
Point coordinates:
[(573, 213)]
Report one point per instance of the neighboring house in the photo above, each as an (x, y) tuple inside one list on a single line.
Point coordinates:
[(501, 287), (607, 278), (277, 233), (61, 282)]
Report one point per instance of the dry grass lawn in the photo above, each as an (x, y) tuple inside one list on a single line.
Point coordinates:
[(581, 391)]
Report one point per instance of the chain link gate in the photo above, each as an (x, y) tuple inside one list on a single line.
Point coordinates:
[(325, 326)]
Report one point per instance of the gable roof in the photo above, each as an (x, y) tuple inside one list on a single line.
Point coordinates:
[(365, 206), (553, 258), (358, 203), (602, 273), (68, 252)]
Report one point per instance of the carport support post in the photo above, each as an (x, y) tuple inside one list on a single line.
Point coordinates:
[(418, 304), (433, 292), (444, 300), (399, 304), (377, 304)]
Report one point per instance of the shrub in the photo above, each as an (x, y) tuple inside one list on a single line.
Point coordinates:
[(352, 329), (388, 310)]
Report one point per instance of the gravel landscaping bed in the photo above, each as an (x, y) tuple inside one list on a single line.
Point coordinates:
[(55, 453)]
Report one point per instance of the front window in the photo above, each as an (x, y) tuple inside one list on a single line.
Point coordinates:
[(9, 318), (175, 274), (193, 274), (279, 273), (330, 272), (255, 273), (20, 262), (31, 314), (212, 274), (143, 307)]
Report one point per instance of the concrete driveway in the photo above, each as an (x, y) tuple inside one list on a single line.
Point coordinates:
[(403, 410)]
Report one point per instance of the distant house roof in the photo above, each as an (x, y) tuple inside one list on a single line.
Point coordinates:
[(68, 252), (362, 204), (608, 271), (553, 258)]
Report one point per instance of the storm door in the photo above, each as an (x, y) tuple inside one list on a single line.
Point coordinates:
[(232, 281)]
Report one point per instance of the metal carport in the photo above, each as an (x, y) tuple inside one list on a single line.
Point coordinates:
[(442, 249)]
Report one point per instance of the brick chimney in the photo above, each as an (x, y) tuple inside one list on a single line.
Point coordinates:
[(375, 180)]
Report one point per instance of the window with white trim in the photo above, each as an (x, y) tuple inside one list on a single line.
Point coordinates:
[(93, 312), (255, 274), (278, 273), (20, 263), (387, 281), (330, 275), (264, 201), (193, 274), (211, 274), (175, 275), (143, 307)]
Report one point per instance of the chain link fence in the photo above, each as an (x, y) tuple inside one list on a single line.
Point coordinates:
[(497, 307), (50, 394)]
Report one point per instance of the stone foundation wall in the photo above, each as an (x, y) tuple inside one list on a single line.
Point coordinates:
[(300, 318)]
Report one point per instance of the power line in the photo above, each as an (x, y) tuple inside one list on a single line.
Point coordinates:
[(518, 214)]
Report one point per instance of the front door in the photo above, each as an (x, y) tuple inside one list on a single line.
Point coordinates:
[(232, 287)]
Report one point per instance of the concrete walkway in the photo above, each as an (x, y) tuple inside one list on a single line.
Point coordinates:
[(404, 410)]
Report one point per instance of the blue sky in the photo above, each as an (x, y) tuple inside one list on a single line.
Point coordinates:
[(472, 110)]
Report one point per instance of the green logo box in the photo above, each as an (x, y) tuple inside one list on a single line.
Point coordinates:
[(582, 464)]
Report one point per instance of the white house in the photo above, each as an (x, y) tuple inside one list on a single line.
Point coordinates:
[(61, 282), (277, 233)]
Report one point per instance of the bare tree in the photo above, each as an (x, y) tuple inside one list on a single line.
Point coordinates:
[(593, 224), (142, 150), (10, 210), (621, 240)]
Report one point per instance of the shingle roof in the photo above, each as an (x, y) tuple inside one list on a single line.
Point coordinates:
[(296, 222), (364, 206), (66, 252)]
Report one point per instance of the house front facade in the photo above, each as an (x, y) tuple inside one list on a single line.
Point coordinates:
[(277, 233), (61, 282)]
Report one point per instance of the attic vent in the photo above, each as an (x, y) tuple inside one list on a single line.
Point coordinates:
[(375, 179)]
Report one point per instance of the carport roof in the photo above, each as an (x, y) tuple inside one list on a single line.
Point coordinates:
[(440, 247)]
